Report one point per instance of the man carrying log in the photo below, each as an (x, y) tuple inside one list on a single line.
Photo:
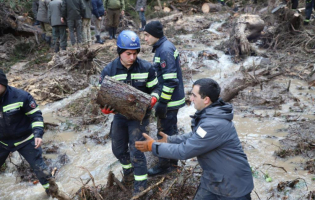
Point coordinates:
[(167, 64), (140, 74), (214, 141), (21, 129)]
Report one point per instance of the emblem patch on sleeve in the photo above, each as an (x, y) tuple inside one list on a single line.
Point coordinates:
[(202, 133), (32, 104), (163, 64)]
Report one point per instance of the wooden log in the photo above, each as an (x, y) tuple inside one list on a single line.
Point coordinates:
[(211, 7), (166, 9), (125, 99), (171, 18)]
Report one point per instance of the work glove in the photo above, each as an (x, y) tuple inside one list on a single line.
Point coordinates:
[(146, 145), (107, 110), (164, 137), (160, 110), (153, 102)]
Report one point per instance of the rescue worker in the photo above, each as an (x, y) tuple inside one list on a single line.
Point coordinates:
[(214, 141), (59, 28), (310, 5), (113, 9), (21, 128), (140, 8), (72, 11), (98, 13), (140, 74), (167, 63), (42, 17)]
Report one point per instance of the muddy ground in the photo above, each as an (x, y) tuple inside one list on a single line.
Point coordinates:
[(285, 50)]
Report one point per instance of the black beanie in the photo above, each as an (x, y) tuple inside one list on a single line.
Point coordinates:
[(154, 28), (3, 78)]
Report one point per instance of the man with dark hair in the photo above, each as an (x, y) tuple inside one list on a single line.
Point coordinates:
[(167, 64), (215, 143), (21, 128), (140, 74)]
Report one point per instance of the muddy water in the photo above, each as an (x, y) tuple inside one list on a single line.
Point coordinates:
[(259, 136)]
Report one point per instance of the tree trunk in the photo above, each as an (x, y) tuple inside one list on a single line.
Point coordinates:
[(125, 99), (211, 7), (169, 18)]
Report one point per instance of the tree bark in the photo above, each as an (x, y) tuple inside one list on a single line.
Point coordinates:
[(173, 17), (211, 7), (125, 99)]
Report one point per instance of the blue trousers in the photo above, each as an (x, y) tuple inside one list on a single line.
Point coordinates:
[(203, 194), (33, 157), (310, 4)]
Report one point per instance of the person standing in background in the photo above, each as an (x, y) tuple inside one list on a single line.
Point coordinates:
[(98, 12), (35, 10), (58, 28), (86, 22), (42, 17), (72, 11), (140, 8), (113, 10)]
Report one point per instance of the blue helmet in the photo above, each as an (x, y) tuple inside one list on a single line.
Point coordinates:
[(128, 40)]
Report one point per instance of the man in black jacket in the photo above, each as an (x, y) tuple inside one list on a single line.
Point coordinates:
[(21, 128)]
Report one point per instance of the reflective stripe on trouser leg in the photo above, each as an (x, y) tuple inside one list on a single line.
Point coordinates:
[(127, 169)]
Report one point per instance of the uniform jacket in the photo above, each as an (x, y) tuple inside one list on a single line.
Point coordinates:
[(42, 13), (87, 9), (140, 75), (114, 4), (141, 4), (214, 141), (98, 8), (72, 9), (19, 117), (167, 64), (54, 13)]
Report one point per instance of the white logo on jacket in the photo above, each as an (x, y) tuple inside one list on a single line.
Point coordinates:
[(202, 133)]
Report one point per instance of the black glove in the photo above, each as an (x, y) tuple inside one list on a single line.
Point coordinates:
[(160, 110)]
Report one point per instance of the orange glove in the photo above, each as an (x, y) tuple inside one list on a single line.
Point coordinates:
[(107, 110), (146, 145), (153, 102)]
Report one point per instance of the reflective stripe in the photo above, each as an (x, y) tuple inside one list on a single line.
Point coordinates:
[(157, 59), (32, 111), (307, 20), (120, 77), (169, 76), (12, 106), (126, 166), (29, 137), (140, 75), (46, 186), (166, 96), (4, 143), (37, 124), (176, 52), (141, 177), (176, 103), (168, 89), (155, 95), (152, 83)]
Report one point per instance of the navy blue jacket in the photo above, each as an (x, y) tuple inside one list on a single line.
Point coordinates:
[(19, 118), (215, 142), (98, 8), (167, 64), (140, 75)]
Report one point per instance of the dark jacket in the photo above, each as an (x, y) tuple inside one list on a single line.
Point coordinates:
[(141, 4), (98, 8), (54, 13), (140, 75), (72, 9), (214, 141), (19, 117), (87, 9), (42, 13), (169, 73)]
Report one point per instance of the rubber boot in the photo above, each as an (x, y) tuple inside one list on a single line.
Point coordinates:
[(98, 40), (56, 49), (143, 23), (110, 32), (48, 41), (114, 32)]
